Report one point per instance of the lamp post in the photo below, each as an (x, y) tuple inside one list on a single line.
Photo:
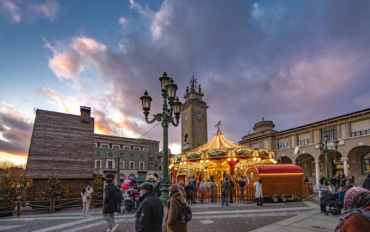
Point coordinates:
[(168, 92), (324, 150)]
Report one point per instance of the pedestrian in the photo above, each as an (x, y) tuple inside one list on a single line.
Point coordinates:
[(322, 186), (202, 191), (119, 199), (258, 195), (110, 205), (231, 190), (349, 185), (189, 189), (86, 199), (333, 181), (173, 223), (149, 216), (352, 178), (225, 192), (342, 181), (182, 190), (195, 191), (305, 179), (213, 191), (158, 189), (366, 183), (132, 194), (241, 184)]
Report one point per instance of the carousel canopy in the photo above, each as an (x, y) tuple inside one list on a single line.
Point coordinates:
[(221, 153)]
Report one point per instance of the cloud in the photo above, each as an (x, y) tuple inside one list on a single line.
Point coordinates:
[(288, 62), (15, 132), (18, 11), (122, 21)]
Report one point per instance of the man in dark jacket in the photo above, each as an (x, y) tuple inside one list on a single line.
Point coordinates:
[(366, 183), (110, 205), (158, 189), (231, 190), (241, 184), (189, 189), (149, 216), (195, 191)]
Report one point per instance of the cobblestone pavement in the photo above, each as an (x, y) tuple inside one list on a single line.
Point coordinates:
[(206, 217)]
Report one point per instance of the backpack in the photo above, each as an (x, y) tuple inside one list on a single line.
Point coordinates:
[(186, 214)]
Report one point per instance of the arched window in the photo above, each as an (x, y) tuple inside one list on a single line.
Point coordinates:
[(132, 165), (365, 163), (97, 164)]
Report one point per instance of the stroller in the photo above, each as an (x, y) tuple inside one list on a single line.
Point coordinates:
[(129, 205), (331, 200)]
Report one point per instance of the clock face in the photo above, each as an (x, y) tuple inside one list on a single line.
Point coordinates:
[(186, 118), (199, 116)]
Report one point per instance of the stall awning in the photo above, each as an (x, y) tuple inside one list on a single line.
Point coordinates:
[(139, 179)]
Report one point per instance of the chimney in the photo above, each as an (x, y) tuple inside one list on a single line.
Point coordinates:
[(85, 113)]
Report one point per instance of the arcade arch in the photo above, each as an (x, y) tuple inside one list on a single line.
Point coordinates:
[(285, 160), (359, 162), (336, 164), (307, 162)]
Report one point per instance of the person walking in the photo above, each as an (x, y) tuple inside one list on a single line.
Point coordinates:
[(202, 191), (86, 199), (225, 191), (182, 190), (366, 183), (132, 194), (258, 195), (110, 205), (172, 222), (149, 216), (213, 191), (189, 189)]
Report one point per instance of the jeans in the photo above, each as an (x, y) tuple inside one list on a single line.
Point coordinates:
[(109, 217), (227, 200), (85, 209)]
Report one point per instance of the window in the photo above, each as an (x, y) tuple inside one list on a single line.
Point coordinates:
[(98, 154), (141, 165), (121, 155), (95, 144), (156, 152), (97, 164), (110, 164), (137, 148), (132, 165), (116, 146), (365, 163), (150, 158), (151, 167), (104, 145), (127, 148), (304, 142), (131, 156), (156, 159), (160, 168), (121, 165), (141, 157), (283, 145), (155, 167), (153, 144), (358, 133), (331, 132), (110, 154), (145, 149)]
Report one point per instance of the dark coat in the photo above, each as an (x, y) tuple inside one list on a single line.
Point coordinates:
[(149, 215), (226, 187), (189, 190), (110, 201), (366, 184), (158, 190), (173, 220), (342, 181), (241, 183)]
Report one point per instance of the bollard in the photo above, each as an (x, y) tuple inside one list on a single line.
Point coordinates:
[(18, 208)]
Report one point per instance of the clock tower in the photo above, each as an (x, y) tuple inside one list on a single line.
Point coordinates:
[(194, 118)]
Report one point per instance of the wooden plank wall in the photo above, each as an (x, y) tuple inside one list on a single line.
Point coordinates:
[(61, 144)]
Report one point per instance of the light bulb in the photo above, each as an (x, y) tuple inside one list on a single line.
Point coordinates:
[(228, 159), (235, 159)]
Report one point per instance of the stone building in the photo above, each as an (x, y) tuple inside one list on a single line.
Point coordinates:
[(194, 118), (352, 157), (126, 158)]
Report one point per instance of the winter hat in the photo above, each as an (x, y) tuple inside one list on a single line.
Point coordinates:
[(174, 188)]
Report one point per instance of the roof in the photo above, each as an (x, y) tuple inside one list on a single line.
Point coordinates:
[(279, 169)]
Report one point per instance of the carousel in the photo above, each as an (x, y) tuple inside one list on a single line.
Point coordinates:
[(217, 159)]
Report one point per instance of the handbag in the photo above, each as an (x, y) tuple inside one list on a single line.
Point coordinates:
[(88, 198)]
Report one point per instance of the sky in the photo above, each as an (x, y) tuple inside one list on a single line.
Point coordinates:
[(292, 62)]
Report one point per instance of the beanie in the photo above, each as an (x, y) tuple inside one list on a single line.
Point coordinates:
[(174, 188)]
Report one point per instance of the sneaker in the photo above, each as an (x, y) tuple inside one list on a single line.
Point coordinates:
[(114, 227), (108, 230)]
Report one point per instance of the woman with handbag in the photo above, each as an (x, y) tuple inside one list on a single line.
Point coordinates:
[(258, 195), (86, 199)]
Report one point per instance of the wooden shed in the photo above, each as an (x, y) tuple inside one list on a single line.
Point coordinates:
[(279, 181), (62, 144)]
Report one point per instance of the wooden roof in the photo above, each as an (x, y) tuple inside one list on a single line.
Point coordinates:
[(62, 144)]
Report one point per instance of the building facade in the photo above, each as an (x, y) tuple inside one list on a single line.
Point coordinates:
[(193, 118), (126, 158), (351, 158)]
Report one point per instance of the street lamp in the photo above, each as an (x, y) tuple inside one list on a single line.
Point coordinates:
[(324, 150), (168, 92)]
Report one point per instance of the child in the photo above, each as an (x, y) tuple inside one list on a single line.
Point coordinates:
[(340, 194)]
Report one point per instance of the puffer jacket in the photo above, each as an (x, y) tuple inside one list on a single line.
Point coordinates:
[(366, 184), (149, 215), (173, 220), (110, 202)]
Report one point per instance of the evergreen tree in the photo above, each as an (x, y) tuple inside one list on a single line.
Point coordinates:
[(27, 193), (54, 189), (97, 185), (8, 189)]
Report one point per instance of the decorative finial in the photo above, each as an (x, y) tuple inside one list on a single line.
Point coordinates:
[(164, 74), (218, 125), (263, 118)]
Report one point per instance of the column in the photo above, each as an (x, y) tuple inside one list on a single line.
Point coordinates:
[(317, 165), (345, 161)]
